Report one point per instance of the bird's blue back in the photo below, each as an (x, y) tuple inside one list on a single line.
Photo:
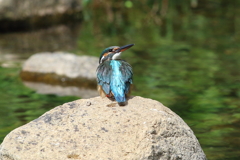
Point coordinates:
[(115, 76)]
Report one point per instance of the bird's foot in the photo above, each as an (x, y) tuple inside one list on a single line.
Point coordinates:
[(121, 104), (110, 96)]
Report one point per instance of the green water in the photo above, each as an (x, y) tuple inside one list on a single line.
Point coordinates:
[(19, 104), (188, 59)]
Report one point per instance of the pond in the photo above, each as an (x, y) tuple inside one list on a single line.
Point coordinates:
[(188, 60)]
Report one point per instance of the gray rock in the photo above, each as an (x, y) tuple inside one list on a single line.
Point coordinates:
[(89, 130), (15, 9), (62, 64)]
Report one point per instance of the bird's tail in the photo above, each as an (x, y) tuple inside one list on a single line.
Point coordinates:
[(120, 99)]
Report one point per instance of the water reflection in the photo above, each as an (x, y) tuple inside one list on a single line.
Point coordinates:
[(43, 88), (61, 37)]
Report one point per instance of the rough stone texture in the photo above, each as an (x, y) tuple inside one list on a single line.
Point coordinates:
[(63, 64), (87, 129), (16, 9)]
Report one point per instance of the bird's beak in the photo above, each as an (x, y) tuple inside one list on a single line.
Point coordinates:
[(123, 48)]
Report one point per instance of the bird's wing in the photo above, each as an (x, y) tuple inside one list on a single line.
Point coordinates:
[(127, 73), (104, 72), (104, 75)]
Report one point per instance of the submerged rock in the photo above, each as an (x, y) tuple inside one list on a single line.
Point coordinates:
[(62, 73), (87, 129), (63, 64)]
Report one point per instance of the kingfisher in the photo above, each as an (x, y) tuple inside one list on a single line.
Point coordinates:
[(114, 75)]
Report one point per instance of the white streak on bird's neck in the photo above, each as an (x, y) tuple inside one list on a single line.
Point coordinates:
[(116, 55), (102, 59)]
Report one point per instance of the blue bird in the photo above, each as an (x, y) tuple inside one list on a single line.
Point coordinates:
[(114, 76)]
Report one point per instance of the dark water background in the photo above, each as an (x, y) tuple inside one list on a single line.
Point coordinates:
[(186, 55)]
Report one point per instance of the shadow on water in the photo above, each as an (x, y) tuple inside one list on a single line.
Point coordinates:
[(59, 37), (187, 58), (51, 83)]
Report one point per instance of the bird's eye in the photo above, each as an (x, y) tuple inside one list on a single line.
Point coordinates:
[(110, 50)]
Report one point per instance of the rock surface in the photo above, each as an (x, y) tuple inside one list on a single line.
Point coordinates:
[(62, 64), (87, 129), (15, 9)]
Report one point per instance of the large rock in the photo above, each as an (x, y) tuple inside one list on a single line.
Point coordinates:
[(87, 129), (15, 9), (62, 64)]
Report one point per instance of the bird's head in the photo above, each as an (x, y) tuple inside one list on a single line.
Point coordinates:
[(113, 52)]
